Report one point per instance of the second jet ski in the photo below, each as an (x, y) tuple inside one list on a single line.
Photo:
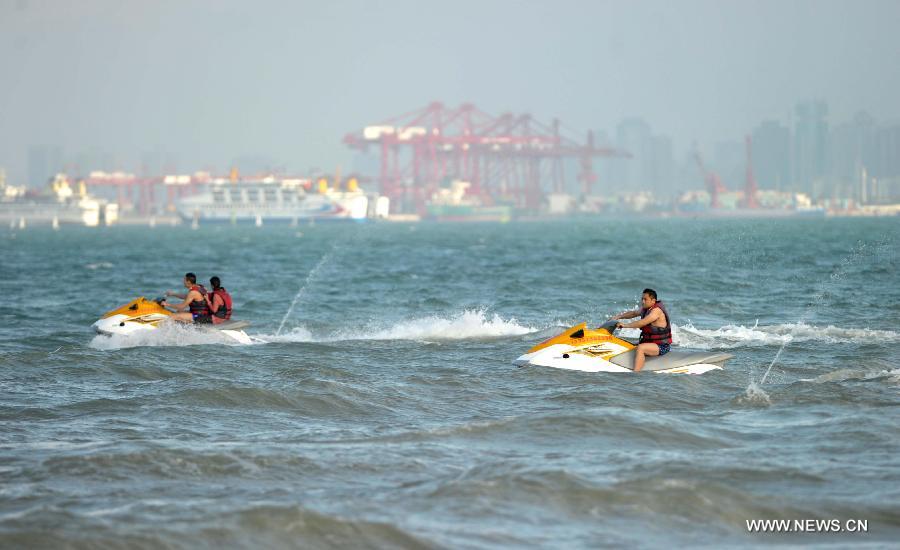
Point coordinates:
[(599, 350), (141, 315)]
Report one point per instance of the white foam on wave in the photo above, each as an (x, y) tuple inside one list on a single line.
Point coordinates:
[(167, 335), (891, 376), (754, 395), (296, 334), (731, 336), (468, 325)]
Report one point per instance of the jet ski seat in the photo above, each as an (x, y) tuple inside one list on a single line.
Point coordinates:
[(232, 325), (671, 360)]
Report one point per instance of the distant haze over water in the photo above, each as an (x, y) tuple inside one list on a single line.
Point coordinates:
[(185, 86)]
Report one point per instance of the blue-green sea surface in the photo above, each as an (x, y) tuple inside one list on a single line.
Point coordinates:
[(379, 406)]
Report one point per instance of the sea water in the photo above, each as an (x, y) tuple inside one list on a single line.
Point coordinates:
[(379, 407)]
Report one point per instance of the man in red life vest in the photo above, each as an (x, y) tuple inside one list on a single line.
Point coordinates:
[(219, 301), (656, 331), (194, 302)]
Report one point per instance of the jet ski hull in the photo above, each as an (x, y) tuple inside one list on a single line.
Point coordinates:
[(142, 315)]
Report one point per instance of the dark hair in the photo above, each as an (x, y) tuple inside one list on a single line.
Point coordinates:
[(191, 277), (650, 292), (215, 282)]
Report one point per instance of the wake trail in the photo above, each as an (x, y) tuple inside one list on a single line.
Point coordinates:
[(730, 336), (837, 274), (313, 273), (468, 325), (302, 291)]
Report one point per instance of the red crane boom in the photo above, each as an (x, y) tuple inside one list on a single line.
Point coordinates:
[(713, 182)]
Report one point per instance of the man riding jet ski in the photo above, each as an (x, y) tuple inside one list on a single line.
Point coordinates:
[(204, 306), (597, 350), (196, 302), (656, 330), (207, 313)]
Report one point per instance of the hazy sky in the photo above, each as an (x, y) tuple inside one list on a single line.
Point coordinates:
[(211, 81)]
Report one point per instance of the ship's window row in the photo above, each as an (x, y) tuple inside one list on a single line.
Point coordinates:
[(239, 196)]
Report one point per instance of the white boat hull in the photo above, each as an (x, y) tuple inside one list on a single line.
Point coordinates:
[(564, 356), (123, 325)]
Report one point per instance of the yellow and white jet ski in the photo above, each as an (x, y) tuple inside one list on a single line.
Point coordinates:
[(141, 314), (598, 350)]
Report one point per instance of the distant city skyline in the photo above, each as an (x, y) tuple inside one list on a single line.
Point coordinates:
[(808, 153), (813, 157)]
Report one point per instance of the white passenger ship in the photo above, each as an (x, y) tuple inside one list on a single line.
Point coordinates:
[(61, 203), (273, 199)]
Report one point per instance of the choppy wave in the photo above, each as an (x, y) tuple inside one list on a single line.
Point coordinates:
[(841, 375), (266, 525), (754, 396), (731, 336), (279, 525), (468, 325), (405, 425)]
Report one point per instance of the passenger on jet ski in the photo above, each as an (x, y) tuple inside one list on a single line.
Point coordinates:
[(656, 330), (219, 301), (194, 302)]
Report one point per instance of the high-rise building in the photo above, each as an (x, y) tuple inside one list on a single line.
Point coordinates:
[(661, 167), (772, 155), (651, 166), (633, 135), (886, 161), (886, 181), (851, 148), (810, 147), (83, 163), (729, 161), (44, 162)]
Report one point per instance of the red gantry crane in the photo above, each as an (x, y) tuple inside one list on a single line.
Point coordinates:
[(510, 157), (714, 183)]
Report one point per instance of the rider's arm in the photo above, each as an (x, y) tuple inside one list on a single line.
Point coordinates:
[(652, 316), (175, 294), (186, 303), (215, 303), (628, 314)]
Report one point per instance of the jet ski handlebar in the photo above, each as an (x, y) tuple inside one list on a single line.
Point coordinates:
[(610, 325)]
